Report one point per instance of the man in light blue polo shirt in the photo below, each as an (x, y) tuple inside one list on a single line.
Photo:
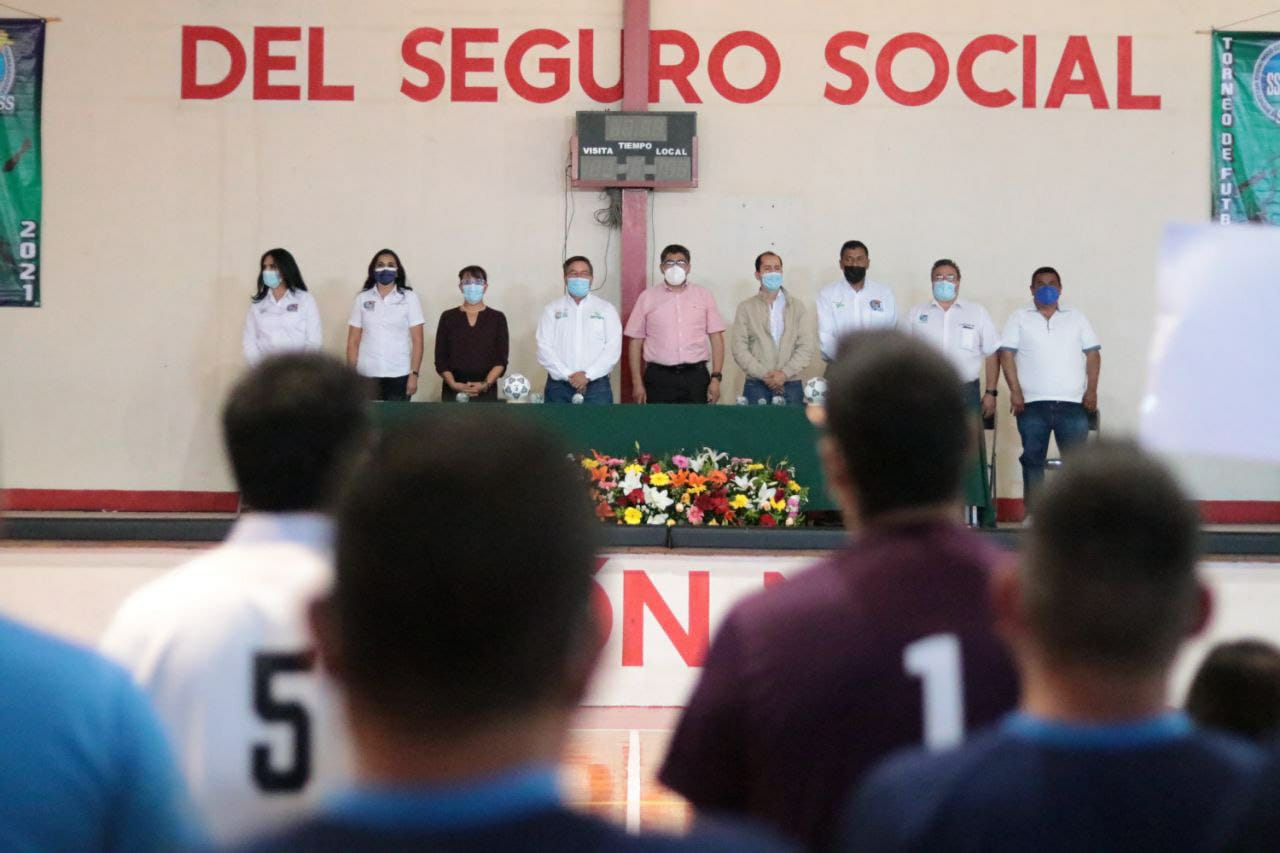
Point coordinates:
[(83, 763), (1093, 759)]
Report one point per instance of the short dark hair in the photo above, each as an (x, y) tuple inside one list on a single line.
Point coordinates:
[(760, 258), (1109, 569), (945, 262), (291, 426), (402, 276), (474, 271), (290, 275), (1040, 270), (577, 258), (464, 561), (1237, 689), (675, 249), (897, 409), (854, 244)]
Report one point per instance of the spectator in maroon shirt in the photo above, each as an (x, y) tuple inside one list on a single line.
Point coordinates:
[(472, 345), (888, 643)]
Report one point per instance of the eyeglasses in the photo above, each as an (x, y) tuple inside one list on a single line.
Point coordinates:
[(467, 281), (684, 265), (945, 278)]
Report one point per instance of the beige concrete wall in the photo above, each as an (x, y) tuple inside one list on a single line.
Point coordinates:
[(157, 208)]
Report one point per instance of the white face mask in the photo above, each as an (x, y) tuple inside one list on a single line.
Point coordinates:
[(675, 276)]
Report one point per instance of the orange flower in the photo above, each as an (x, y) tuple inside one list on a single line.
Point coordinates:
[(680, 479), (717, 477), (604, 512), (600, 474)]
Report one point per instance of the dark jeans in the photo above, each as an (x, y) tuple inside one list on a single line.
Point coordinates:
[(1069, 424), (598, 392), (681, 383), (755, 390), (394, 389)]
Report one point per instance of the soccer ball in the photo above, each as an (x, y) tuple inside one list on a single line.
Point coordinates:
[(779, 400), (515, 387), (815, 391)]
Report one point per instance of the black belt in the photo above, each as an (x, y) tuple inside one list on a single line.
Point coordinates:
[(679, 368)]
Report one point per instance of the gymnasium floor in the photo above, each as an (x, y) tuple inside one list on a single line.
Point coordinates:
[(72, 589)]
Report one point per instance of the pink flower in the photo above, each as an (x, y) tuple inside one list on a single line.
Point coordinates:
[(695, 515), (681, 461)]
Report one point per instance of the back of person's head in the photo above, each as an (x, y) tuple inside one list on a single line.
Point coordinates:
[(292, 425), (1109, 576), (464, 561), (1237, 689), (897, 412)]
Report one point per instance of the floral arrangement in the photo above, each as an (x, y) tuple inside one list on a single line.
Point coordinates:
[(707, 489)]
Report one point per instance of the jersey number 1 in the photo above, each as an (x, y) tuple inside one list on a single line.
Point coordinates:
[(935, 660), (294, 775)]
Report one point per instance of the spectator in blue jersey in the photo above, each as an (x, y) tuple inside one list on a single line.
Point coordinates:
[(889, 642), (83, 762), (1093, 759), (461, 629)]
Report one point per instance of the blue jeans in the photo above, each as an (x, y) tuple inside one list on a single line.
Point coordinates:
[(598, 392), (1070, 426), (755, 390)]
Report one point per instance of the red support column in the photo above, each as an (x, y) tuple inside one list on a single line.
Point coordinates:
[(635, 210)]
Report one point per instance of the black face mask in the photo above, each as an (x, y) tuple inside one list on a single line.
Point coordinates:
[(855, 275)]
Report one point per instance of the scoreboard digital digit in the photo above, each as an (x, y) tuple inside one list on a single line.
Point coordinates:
[(635, 150)]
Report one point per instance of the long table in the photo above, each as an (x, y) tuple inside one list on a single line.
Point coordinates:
[(764, 433)]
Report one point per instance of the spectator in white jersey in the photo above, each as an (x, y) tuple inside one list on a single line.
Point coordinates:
[(220, 644), (461, 629)]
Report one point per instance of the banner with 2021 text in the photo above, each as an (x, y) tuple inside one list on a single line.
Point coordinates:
[(1246, 127), (21, 73)]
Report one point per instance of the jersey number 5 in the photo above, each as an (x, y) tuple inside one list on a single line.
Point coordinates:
[(293, 776), (935, 660)]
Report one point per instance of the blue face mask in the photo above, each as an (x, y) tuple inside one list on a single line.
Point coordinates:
[(578, 287), (385, 275), (944, 291), (771, 280), (473, 293), (1047, 294), (271, 278)]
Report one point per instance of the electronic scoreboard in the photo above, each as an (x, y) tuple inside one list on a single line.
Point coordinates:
[(635, 150)]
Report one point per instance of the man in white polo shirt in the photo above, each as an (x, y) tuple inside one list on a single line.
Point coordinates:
[(1051, 359), (220, 644), (579, 340), (963, 331), (853, 302)]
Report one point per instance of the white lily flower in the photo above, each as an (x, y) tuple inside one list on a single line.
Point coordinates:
[(743, 483), (658, 499), (659, 519), (631, 482)]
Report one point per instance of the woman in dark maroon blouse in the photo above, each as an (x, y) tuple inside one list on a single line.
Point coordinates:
[(471, 342)]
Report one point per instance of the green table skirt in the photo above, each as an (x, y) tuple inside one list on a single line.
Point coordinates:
[(772, 433)]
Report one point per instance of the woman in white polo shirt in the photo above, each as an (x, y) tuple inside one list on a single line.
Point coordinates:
[(283, 316), (384, 332)]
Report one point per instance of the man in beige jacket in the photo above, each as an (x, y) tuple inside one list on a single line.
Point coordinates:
[(774, 338)]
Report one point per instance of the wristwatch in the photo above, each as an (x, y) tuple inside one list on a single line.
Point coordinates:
[(991, 392), (717, 376), (413, 373)]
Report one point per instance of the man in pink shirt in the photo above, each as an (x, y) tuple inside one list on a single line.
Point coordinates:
[(676, 327)]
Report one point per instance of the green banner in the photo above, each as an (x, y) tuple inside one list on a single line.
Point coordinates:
[(21, 72), (1246, 127)]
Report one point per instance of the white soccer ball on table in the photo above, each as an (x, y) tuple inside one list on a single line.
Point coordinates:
[(515, 387), (815, 391)]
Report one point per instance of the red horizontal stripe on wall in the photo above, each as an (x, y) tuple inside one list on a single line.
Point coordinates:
[(1213, 512), (111, 500)]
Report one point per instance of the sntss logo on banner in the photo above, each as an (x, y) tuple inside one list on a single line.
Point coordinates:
[(1266, 82), (8, 71)]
